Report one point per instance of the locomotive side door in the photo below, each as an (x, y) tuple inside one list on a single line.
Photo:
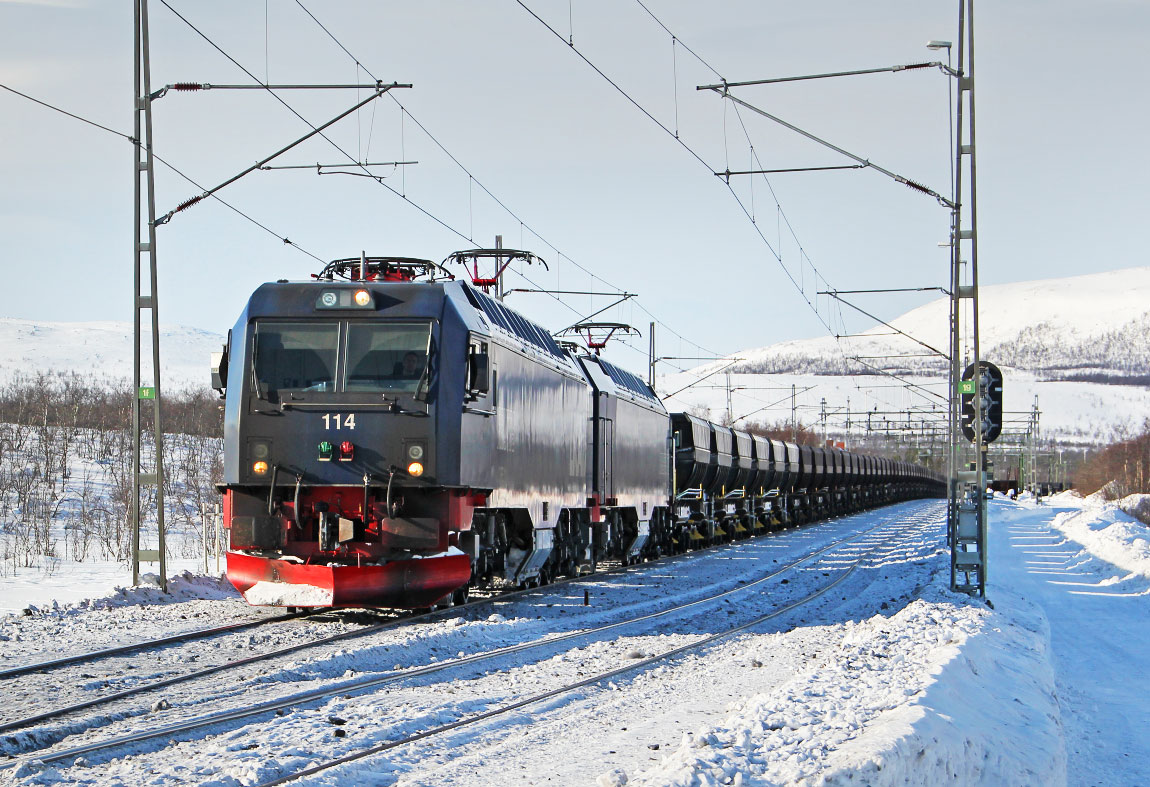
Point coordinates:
[(607, 459)]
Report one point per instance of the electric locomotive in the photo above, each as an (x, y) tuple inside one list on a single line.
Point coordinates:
[(394, 436), (389, 441)]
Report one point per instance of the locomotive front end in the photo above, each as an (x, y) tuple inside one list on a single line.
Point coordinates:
[(333, 494)]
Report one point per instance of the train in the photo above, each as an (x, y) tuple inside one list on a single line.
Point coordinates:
[(395, 436)]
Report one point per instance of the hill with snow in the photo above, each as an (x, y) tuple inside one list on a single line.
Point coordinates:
[(1079, 345), (1090, 327), (103, 351)]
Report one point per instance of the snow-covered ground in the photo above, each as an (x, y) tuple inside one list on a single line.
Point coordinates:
[(64, 583), (64, 508), (887, 679)]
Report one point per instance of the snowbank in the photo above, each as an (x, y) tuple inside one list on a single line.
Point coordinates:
[(97, 584), (936, 693), (1107, 532)]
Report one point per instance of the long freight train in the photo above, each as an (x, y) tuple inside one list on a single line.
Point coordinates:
[(393, 438)]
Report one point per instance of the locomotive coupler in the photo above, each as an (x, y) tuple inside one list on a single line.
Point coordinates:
[(333, 531)]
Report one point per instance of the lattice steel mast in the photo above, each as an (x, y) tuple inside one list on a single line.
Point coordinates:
[(143, 170), (967, 501)]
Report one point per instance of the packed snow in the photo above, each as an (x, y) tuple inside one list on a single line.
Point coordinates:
[(71, 582), (280, 594), (889, 678)]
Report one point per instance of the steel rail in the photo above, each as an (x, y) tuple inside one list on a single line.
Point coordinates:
[(391, 677), (518, 704), (95, 655), (367, 630)]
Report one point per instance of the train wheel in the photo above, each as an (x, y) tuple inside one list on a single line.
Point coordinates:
[(460, 595)]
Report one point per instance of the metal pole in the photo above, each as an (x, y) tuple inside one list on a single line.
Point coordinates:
[(142, 106), (204, 531), (154, 289), (967, 509), (792, 413), (134, 512), (730, 413), (980, 437), (499, 279), (651, 358)]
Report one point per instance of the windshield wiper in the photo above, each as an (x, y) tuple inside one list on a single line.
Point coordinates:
[(396, 407)]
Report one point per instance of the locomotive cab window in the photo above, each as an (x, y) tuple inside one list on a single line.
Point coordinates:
[(295, 356), (303, 360), (387, 357)]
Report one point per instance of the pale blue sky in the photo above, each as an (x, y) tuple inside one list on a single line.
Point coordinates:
[(1061, 154)]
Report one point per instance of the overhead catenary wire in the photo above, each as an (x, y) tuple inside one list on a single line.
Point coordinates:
[(746, 132), (472, 180), (424, 210), (803, 255), (281, 237), (749, 214), (781, 214), (483, 187), (135, 142), (351, 159)]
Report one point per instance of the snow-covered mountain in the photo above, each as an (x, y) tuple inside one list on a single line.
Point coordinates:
[(1067, 343), (103, 351), (1095, 326)]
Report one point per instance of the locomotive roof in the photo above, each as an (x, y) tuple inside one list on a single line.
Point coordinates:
[(513, 322), (627, 380)]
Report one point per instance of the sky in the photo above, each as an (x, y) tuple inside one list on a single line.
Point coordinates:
[(515, 134)]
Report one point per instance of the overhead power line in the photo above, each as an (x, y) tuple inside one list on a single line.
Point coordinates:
[(169, 165), (746, 210), (483, 187)]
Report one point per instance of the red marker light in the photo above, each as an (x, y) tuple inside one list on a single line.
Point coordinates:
[(346, 451)]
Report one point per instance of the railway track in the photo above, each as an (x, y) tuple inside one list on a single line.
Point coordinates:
[(165, 642), (96, 655), (637, 665), (358, 686), (62, 711)]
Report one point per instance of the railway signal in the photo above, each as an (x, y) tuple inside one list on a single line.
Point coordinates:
[(988, 408)]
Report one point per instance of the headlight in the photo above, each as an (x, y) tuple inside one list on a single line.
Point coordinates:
[(415, 469), (362, 297), (260, 468), (415, 452)]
